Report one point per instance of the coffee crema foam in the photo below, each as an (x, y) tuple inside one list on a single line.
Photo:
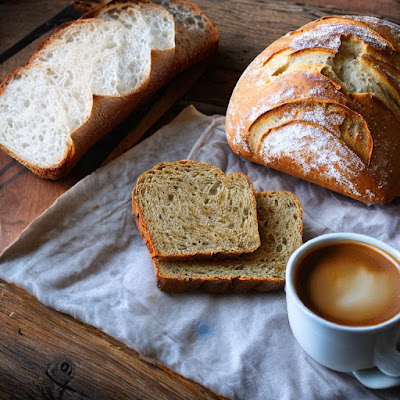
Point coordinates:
[(350, 283)]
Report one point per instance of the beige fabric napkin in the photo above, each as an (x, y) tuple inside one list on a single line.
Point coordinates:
[(84, 256)]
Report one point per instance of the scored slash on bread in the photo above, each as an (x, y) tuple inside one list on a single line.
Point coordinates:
[(323, 103), (91, 73), (188, 209), (280, 227)]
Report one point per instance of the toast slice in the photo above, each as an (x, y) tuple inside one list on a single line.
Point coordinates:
[(188, 209), (91, 74), (280, 226)]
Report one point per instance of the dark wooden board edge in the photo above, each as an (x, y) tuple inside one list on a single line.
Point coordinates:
[(48, 355)]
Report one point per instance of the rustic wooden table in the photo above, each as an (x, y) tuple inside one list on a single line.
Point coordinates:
[(43, 353)]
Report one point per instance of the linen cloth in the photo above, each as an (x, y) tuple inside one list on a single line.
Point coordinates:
[(84, 256)]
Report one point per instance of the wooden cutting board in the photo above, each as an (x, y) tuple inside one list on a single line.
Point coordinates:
[(46, 354)]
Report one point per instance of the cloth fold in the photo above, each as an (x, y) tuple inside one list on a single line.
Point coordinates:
[(84, 256)]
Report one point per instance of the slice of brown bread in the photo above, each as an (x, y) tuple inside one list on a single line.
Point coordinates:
[(280, 225), (188, 209)]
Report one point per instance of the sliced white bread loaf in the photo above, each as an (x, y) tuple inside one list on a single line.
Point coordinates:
[(90, 74), (188, 209), (280, 226)]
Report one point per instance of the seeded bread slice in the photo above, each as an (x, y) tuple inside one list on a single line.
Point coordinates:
[(188, 209), (280, 226)]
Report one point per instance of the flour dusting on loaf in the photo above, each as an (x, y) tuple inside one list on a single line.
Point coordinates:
[(298, 142), (323, 103), (328, 36)]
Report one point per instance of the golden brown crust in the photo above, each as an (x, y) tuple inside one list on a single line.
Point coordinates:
[(108, 111), (141, 225), (366, 170), (217, 285)]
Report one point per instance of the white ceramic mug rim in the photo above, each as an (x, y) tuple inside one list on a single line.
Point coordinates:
[(331, 238)]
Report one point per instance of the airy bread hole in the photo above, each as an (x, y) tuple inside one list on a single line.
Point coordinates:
[(190, 21), (113, 14), (281, 70), (215, 188)]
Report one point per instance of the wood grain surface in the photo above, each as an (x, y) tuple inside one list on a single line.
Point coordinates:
[(45, 354), (48, 355)]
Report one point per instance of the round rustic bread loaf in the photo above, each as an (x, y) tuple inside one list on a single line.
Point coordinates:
[(323, 103)]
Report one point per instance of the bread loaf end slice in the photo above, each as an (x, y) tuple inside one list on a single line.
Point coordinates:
[(280, 226), (188, 209)]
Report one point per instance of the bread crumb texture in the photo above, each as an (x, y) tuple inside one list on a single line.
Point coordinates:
[(323, 103), (109, 55), (117, 51), (280, 227), (188, 209)]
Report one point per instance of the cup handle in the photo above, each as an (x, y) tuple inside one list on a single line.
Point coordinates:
[(386, 374), (386, 355)]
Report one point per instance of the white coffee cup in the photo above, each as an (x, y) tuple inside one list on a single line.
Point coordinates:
[(369, 352)]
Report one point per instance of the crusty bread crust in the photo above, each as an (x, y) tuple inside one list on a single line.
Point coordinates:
[(215, 284), (235, 284), (108, 111), (365, 165), (144, 230)]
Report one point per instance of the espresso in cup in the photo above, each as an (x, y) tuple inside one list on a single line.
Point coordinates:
[(349, 283)]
